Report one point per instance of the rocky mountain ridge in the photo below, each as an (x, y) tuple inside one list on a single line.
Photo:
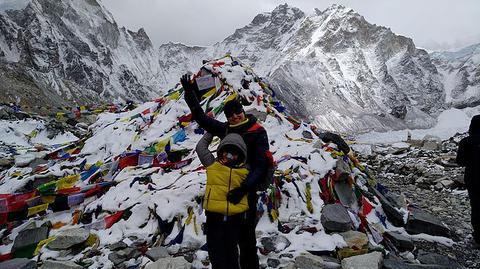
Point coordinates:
[(335, 68), (73, 52), (331, 67)]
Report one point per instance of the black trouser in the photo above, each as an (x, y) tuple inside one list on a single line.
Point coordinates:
[(223, 235), (474, 195), (248, 240)]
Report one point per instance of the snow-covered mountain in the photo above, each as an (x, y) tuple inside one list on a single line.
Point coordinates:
[(461, 75), (61, 52), (332, 66), (337, 69)]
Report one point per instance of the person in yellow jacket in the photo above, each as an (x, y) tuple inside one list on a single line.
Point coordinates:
[(224, 219)]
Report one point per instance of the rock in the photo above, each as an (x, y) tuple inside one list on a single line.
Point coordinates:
[(400, 241), (274, 243), (355, 239), (116, 258), (117, 246), (24, 159), (18, 263), (342, 170), (420, 221), (49, 264), (434, 258), (367, 261), (170, 263), (6, 161), (438, 186), (68, 238), (273, 263), (335, 218), (309, 261), (6, 112), (396, 264), (29, 238), (447, 183), (129, 253), (307, 135), (157, 253), (393, 214), (260, 115), (431, 142)]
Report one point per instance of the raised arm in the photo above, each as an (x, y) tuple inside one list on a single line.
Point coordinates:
[(211, 125), (205, 156)]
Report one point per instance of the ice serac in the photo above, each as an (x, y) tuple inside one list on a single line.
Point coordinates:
[(461, 75), (58, 52)]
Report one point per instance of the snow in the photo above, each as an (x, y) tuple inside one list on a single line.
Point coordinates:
[(13, 4), (449, 123)]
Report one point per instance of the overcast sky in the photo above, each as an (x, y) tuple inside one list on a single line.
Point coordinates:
[(433, 24)]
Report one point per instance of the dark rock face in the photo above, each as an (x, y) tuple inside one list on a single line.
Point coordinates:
[(400, 241), (422, 222), (19, 263), (30, 237), (335, 218)]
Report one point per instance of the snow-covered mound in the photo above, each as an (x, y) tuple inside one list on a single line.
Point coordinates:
[(136, 183)]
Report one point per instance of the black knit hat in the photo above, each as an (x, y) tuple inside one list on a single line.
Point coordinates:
[(231, 107)]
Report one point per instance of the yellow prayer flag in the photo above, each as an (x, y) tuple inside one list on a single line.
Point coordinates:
[(231, 97), (160, 146), (92, 240), (48, 199), (210, 92), (67, 182), (82, 108), (36, 209), (174, 96), (43, 243), (195, 228), (71, 151), (189, 217)]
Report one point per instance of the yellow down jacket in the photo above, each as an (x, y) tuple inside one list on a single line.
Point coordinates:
[(221, 178)]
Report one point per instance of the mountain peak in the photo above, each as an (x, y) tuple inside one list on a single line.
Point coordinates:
[(286, 10)]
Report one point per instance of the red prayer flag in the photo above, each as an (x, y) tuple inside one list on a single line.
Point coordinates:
[(366, 206), (112, 219)]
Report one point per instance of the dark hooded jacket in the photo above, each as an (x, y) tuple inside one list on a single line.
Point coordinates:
[(253, 134), (469, 154)]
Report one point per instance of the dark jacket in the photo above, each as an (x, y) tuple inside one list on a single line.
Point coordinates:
[(468, 154), (256, 139)]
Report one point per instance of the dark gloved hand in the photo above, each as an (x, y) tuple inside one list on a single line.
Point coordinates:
[(186, 83), (235, 196)]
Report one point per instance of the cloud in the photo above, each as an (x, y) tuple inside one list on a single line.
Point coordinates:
[(433, 24)]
